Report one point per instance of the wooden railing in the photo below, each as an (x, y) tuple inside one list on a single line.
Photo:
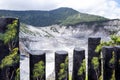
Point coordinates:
[(104, 65)]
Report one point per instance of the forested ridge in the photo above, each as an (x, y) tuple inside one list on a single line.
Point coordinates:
[(61, 16)]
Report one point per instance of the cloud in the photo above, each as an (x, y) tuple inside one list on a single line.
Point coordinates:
[(107, 8), (29, 4)]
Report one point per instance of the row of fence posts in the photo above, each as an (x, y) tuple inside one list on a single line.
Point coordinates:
[(108, 68)]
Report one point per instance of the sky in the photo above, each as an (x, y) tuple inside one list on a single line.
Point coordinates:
[(107, 8)]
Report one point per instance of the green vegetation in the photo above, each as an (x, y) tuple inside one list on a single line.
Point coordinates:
[(63, 70), (82, 69), (11, 59), (17, 77), (100, 78), (63, 16), (10, 39), (80, 17), (115, 40), (95, 63), (113, 75), (112, 60), (39, 70), (112, 63)]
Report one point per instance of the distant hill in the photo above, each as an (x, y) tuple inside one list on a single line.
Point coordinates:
[(62, 16)]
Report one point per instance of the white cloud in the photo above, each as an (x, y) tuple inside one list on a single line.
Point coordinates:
[(107, 8), (80, 4), (29, 4)]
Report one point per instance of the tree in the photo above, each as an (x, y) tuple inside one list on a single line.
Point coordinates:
[(10, 36), (95, 63), (113, 75), (11, 59), (115, 40), (17, 77), (82, 69), (10, 39), (62, 74), (112, 60), (38, 71)]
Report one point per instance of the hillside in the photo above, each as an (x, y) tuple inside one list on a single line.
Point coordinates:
[(62, 16)]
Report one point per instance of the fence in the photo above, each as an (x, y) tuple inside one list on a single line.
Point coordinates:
[(105, 67)]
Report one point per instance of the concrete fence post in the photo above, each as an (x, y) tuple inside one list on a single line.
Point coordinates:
[(117, 68), (61, 65), (8, 70), (78, 61), (37, 65), (109, 58), (92, 44)]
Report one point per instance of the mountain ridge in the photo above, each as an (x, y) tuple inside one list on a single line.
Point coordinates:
[(62, 16)]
